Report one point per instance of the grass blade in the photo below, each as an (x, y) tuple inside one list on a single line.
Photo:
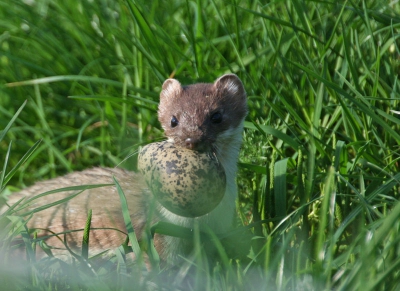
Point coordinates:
[(128, 223)]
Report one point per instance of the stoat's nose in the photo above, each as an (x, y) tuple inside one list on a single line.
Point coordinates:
[(196, 144), (191, 143)]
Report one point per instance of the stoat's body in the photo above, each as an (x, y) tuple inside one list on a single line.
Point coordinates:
[(204, 117)]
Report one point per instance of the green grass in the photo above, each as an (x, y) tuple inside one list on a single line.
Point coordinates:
[(319, 170)]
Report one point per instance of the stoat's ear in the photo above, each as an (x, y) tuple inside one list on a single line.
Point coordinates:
[(230, 84), (170, 89)]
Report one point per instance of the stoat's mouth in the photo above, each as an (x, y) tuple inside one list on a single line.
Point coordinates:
[(200, 147), (210, 150)]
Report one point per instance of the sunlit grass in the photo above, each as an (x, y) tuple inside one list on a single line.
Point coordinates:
[(319, 167)]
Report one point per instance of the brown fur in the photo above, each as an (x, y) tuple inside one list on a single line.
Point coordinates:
[(197, 103), (104, 202)]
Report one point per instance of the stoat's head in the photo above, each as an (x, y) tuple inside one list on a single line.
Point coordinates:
[(196, 116)]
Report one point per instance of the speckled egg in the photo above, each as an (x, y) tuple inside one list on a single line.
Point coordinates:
[(186, 182)]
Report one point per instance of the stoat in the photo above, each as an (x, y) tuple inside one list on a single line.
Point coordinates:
[(205, 117)]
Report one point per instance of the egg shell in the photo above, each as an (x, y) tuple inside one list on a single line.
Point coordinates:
[(186, 182)]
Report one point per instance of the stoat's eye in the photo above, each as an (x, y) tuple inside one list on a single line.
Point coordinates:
[(174, 121), (216, 118)]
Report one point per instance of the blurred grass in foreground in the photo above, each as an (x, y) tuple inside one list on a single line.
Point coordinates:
[(320, 161)]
